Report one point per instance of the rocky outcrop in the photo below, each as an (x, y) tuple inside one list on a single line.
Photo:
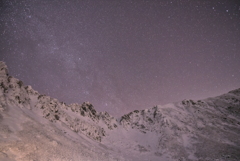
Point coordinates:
[(178, 130), (82, 119), (213, 121)]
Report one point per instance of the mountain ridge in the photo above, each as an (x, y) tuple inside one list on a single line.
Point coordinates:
[(52, 109), (174, 131)]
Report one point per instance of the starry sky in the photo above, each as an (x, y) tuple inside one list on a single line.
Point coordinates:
[(123, 55)]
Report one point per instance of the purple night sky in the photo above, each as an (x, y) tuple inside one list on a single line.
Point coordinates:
[(123, 55)]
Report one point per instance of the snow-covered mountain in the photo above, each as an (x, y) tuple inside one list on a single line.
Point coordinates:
[(38, 128)]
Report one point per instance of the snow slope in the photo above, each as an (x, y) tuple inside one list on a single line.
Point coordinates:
[(35, 127)]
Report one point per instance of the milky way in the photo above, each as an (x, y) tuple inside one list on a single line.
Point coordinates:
[(122, 55)]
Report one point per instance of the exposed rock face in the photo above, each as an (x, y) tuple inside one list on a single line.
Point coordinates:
[(85, 121), (178, 130), (209, 123)]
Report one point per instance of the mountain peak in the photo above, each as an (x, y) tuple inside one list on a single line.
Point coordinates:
[(175, 131), (236, 92), (3, 69)]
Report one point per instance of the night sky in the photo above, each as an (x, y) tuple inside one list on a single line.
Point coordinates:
[(123, 55)]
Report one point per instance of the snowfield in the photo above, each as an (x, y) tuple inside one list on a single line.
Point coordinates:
[(35, 127)]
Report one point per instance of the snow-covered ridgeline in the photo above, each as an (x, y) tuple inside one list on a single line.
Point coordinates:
[(79, 118), (176, 131)]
